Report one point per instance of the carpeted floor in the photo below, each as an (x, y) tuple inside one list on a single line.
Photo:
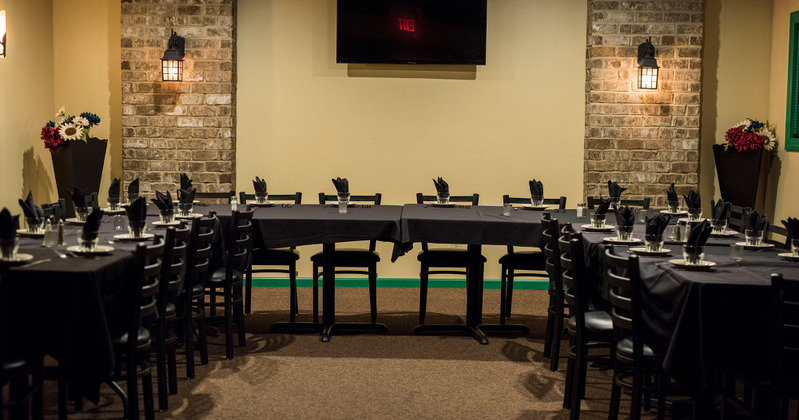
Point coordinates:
[(395, 375)]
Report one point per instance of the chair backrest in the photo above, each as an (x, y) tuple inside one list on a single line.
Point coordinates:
[(57, 210), (552, 252), (199, 253), (573, 275), (221, 195), (777, 235), (473, 199), (624, 289), (784, 329), (143, 287), (375, 199), (643, 202), (173, 268), (239, 243), (736, 219), (296, 197), (560, 202)]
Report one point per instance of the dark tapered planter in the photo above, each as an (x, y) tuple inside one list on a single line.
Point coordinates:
[(742, 175), (79, 164)]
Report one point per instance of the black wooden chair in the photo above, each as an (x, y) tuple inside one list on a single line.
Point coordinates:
[(272, 260), (444, 260), (635, 361), (132, 348), (527, 263), (191, 301), (735, 221), (216, 196), (777, 235), (354, 260), (773, 389), (226, 282), (642, 202), (556, 312), (587, 329), (57, 210)]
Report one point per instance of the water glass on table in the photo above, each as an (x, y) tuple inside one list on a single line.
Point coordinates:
[(260, 197), (8, 248), (614, 202), (507, 209), (624, 233), (694, 214), (87, 241), (443, 198), (137, 228), (653, 242), (597, 220), (81, 213), (113, 203), (35, 224), (674, 206), (166, 216), (719, 225), (795, 247), (537, 200), (736, 252), (693, 255), (754, 237), (185, 209)]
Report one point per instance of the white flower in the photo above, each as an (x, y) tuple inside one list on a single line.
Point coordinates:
[(62, 113), (70, 132), (81, 121)]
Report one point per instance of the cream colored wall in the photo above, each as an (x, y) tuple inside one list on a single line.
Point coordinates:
[(735, 76), (786, 167), (26, 98), (303, 119)]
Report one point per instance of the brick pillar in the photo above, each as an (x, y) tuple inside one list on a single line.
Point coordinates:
[(644, 140), (174, 127)]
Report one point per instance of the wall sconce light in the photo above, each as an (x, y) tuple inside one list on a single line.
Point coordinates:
[(3, 33), (647, 66), (172, 62)]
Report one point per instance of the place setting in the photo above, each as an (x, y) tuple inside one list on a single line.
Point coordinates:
[(792, 226), (166, 210), (719, 219), (598, 218), (536, 196), (625, 219), (442, 194), (693, 250), (34, 218), (653, 237), (673, 203), (694, 202), (113, 205), (186, 204), (261, 194), (137, 223), (89, 237), (82, 207), (755, 225), (9, 241)]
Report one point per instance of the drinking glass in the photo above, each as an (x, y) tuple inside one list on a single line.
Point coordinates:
[(674, 206), (443, 198), (185, 209), (684, 231), (614, 202), (640, 216), (694, 214), (342, 207), (507, 209), (166, 216), (537, 200), (624, 233), (795, 247), (35, 224), (693, 255), (597, 220), (136, 228), (673, 233), (653, 242), (736, 252), (8, 248), (260, 197), (87, 241), (82, 212), (113, 203), (120, 222), (719, 225), (753, 237), (344, 197)]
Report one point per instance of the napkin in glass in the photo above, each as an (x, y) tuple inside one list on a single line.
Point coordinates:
[(720, 209), (671, 193), (92, 225), (342, 185), (657, 225), (792, 226), (614, 189), (603, 206), (30, 209), (260, 185), (536, 188), (185, 182), (137, 210), (693, 200), (442, 188), (625, 216), (113, 190), (79, 197), (133, 188), (186, 196), (753, 220), (700, 232), (163, 202), (8, 228)]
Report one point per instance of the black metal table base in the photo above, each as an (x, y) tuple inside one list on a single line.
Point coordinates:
[(328, 330), (479, 332)]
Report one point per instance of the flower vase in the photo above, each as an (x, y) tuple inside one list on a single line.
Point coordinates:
[(78, 164), (742, 175)]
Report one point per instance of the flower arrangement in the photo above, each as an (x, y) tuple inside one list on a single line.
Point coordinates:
[(68, 128), (750, 135)]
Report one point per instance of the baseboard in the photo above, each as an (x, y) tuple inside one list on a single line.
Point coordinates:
[(518, 284)]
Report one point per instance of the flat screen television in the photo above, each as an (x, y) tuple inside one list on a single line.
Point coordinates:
[(411, 31)]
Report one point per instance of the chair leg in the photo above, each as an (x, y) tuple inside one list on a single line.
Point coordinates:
[(62, 394), (509, 298), (663, 384), (38, 396), (238, 310), (423, 293), (188, 335), (502, 290), (578, 387), (569, 382), (557, 332), (163, 404), (147, 395), (172, 369), (550, 326), (315, 293), (373, 292), (248, 291), (202, 337), (293, 305), (228, 314), (636, 396), (133, 389), (615, 395)]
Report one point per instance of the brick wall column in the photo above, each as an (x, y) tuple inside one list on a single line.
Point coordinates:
[(644, 140), (174, 127)]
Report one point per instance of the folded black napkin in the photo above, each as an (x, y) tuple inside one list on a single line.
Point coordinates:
[(133, 188), (79, 197), (614, 189), (30, 209), (699, 233), (792, 226), (185, 182), (603, 206), (137, 210), (753, 220), (657, 225), (163, 202), (720, 209), (8, 230), (442, 188), (693, 200), (536, 188), (186, 196), (260, 185), (625, 216), (113, 190), (671, 193), (92, 224), (342, 185)]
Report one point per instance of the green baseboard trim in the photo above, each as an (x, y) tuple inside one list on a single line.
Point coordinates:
[(518, 284)]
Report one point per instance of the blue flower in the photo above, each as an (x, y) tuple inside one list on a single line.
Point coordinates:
[(93, 119), (50, 124)]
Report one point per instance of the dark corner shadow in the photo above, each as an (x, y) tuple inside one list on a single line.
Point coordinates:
[(709, 92), (34, 176), (413, 71)]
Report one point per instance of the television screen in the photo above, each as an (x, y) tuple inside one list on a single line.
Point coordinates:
[(411, 31)]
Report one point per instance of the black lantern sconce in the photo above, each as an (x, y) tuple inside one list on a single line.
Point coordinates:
[(3, 33), (647, 66), (172, 63)]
